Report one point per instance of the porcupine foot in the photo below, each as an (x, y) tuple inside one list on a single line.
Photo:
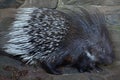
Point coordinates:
[(89, 69), (98, 69), (51, 68), (88, 66), (85, 66)]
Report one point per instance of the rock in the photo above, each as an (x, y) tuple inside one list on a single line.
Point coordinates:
[(83, 2), (112, 14), (6, 18), (90, 2), (70, 77), (4, 78), (15, 70), (112, 2), (116, 43), (40, 3), (10, 3)]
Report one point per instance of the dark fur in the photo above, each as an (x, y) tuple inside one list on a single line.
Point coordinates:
[(87, 32)]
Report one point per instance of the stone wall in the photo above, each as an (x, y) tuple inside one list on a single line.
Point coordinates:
[(10, 3), (41, 3), (92, 2)]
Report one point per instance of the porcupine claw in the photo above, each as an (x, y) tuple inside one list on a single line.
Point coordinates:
[(81, 70), (98, 69)]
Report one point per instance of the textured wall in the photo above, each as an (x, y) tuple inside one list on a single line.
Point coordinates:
[(10, 3), (41, 3), (92, 2)]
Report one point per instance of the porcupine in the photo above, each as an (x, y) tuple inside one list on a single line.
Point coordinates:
[(51, 38)]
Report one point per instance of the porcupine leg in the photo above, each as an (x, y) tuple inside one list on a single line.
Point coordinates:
[(50, 68), (83, 66), (52, 65), (88, 67), (97, 68)]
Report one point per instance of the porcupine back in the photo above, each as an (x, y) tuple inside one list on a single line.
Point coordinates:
[(36, 34)]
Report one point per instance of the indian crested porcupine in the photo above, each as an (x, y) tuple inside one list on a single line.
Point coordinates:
[(52, 37)]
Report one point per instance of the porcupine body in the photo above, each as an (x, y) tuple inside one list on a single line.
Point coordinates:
[(51, 37)]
